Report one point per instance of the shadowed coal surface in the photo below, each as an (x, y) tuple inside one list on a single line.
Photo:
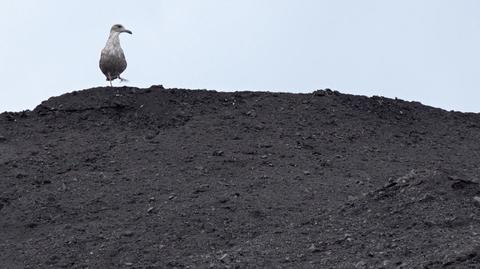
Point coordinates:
[(170, 178)]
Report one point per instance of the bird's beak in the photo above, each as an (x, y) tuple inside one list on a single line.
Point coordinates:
[(127, 31)]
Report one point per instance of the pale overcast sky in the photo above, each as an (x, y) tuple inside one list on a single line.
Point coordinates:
[(423, 50)]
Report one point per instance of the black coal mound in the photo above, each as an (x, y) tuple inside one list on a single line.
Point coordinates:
[(170, 178)]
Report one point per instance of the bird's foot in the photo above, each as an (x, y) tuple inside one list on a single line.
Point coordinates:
[(122, 79)]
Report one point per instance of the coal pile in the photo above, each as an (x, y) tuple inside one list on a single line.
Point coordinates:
[(173, 178)]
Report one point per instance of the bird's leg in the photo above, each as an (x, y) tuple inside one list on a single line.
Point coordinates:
[(109, 77)]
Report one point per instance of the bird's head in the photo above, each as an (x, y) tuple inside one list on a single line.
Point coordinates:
[(120, 29)]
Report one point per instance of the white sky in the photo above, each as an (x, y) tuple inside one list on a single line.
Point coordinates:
[(423, 50)]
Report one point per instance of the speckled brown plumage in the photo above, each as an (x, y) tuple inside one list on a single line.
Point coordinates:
[(112, 59)]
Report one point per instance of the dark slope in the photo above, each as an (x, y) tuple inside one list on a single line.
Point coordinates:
[(156, 178)]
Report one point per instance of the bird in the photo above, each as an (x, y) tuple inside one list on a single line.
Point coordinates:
[(112, 58)]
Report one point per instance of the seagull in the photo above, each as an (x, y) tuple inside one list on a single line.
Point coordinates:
[(112, 59)]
